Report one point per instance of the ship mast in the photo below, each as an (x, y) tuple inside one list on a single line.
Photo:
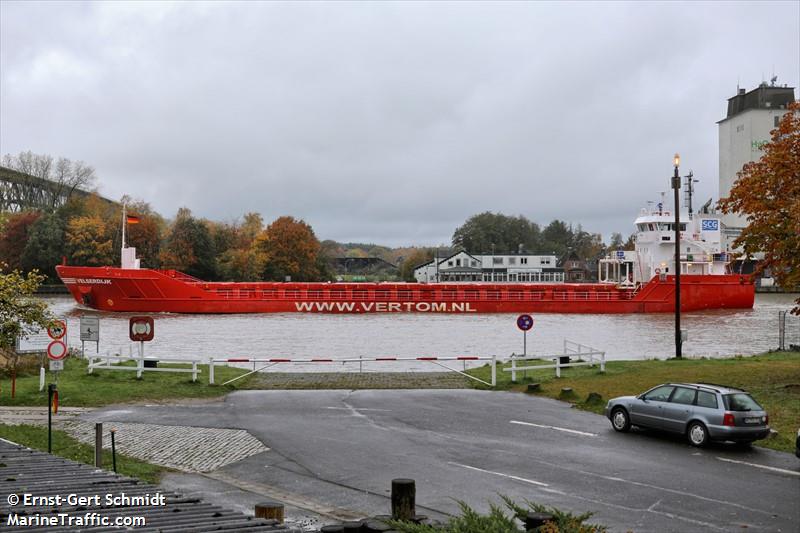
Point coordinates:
[(124, 223)]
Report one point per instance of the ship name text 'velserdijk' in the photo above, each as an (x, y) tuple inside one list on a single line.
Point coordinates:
[(94, 281), (386, 307)]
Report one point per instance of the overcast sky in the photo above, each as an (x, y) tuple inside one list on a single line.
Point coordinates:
[(387, 122)]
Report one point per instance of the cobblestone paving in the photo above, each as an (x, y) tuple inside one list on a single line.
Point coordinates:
[(185, 448), (355, 380)]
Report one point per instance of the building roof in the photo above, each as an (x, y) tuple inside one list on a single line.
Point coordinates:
[(762, 97)]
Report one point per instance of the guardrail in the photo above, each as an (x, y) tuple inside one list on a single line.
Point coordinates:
[(269, 362), (104, 362), (571, 349)]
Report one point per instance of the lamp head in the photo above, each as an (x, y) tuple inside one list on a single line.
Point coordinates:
[(676, 161)]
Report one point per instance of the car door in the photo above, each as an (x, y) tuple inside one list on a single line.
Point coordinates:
[(679, 409), (647, 410)]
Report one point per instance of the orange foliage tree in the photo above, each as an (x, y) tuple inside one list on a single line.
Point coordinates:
[(767, 192), (89, 241), (290, 248), (14, 237)]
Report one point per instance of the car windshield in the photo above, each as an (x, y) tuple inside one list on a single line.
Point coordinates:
[(741, 402)]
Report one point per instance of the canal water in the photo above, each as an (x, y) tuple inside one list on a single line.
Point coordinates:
[(295, 335)]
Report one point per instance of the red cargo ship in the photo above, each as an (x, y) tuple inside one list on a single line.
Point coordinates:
[(636, 281)]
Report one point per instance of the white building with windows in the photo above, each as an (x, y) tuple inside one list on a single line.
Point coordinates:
[(513, 268), (742, 135)]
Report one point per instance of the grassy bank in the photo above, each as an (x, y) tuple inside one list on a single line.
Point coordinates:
[(76, 388), (773, 379), (65, 446)]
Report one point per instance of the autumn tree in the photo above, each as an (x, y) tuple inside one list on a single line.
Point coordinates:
[(290, 248), (89, 242), (418, 257), (238, 259), (14, 237), (188, 247), (767, 193), (20, 313)]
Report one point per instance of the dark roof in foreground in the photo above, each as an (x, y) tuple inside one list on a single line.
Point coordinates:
[(23, 470)]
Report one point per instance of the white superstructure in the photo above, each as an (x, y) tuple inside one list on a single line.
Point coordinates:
[(701, 249)]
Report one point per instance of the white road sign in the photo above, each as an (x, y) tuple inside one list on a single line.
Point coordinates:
[(56, 366), (90, 328), (35, 342)]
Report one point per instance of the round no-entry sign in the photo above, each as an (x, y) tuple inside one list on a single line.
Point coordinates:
[(56, 350), (524, 322)]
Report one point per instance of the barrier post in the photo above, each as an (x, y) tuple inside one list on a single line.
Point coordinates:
[(558, 367), (194, 371), (41, 378), (513, 368), (602, 361), (494, 371), (98, 445), (404, 492), (210, 370)]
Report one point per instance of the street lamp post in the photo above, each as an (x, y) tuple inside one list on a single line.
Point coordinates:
[(676, 185), (492, 262)]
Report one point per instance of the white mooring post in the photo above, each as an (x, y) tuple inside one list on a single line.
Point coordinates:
[(210, 370), (558, 367), (494, 371), (513, 368)]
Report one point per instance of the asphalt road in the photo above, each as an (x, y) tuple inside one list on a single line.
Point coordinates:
[(343, 448)]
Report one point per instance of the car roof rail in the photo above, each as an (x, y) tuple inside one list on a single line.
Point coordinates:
[(700, 385), (718, 385)]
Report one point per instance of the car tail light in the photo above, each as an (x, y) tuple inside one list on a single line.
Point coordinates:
[(728, 420)]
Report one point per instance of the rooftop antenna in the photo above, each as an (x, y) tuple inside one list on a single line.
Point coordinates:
[(690, 181)]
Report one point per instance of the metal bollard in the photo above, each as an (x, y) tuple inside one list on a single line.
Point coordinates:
[(270, 510), (98, 445), (404, 493), (534, 520)]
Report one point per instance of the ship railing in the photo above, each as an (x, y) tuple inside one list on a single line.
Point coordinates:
[(142, 364), (586, 356), (266, 363), (180, 276)]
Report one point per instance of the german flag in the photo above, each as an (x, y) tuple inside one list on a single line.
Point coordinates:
[(132, 219)]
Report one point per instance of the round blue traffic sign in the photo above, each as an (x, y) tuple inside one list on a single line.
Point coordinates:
[(524, 322)]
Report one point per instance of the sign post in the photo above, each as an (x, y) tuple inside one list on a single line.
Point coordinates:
[(57, 349), (90, 331), (524, 322), (141, 329)]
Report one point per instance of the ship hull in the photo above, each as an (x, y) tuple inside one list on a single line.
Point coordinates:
[(157, 291)]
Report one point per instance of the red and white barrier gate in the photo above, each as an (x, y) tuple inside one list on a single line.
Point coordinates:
[(269, 362)]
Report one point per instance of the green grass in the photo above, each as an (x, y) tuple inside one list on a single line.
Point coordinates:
[(772, 378), (76, 388), (65, 446)]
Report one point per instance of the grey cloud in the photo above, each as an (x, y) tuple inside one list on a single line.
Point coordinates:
[(387, 122)]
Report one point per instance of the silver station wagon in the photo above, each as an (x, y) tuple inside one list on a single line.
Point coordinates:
[(701, 411)]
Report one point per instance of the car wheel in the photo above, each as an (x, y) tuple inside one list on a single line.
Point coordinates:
[(620, 420), (698, 434)]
